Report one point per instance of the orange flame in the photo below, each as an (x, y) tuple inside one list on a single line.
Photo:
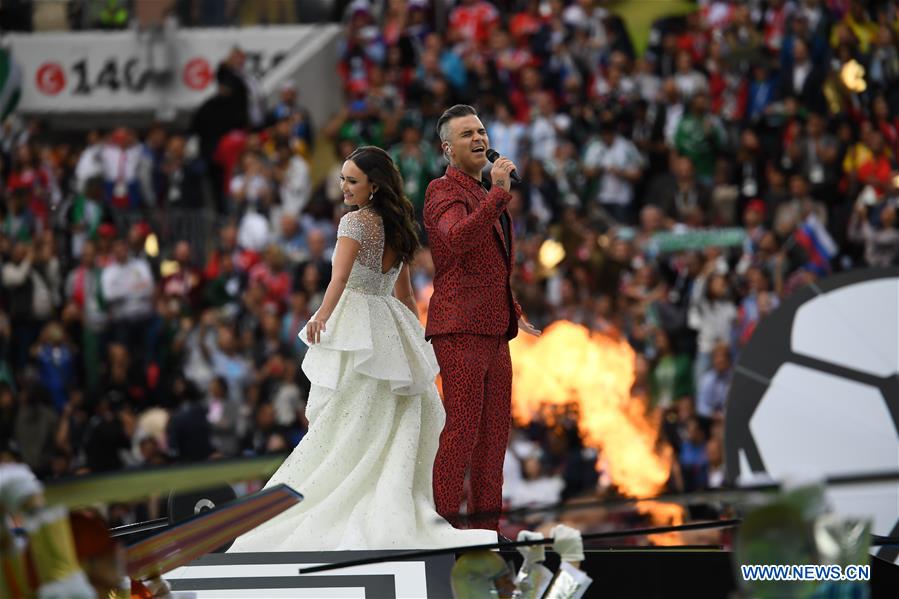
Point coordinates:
[(663, 514), (422, 302), (570, 365), (424, 298)]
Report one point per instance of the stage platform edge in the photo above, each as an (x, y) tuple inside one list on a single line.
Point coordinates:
[(626, 572)]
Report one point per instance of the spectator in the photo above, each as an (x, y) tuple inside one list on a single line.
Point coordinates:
[(120, 158), (881, 242), (297, 315), (29, 279), (292, 176), (715, 453), (251, 188), (268, 343), (506, 135), (185, 284), (292, 239), (56, 361), (289, 107), (619, 166), (713, 388), (86, 214), (225, 289), (181, 180), (266, 435), (287, 398), (35, 427), (18, 223), (471, 21), (106, 441), (671, 376), (317, 245), (273, 277), (189, 430), (226, 361), (693, 458), (245, 89), (699, 136), (85, 294), (755, 304), (121, 383), (127, 286), (418, 163), (688, 80), (678, 193), (711, 315), (222, 415), (8, 408)]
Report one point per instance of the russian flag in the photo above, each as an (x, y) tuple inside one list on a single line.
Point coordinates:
[(820, 247)]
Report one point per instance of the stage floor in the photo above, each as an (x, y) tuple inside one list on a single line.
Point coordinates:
[(624, 573)]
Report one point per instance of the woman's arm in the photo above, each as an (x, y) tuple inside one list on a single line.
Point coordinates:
[(344, 254), (403, 290)]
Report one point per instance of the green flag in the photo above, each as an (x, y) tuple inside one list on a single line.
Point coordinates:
[(10, 83), (661, 243)]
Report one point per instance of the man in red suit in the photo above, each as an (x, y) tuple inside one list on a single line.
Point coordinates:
[(471, 316)]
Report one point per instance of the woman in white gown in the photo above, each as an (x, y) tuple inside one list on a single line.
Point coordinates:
[(375, 417)]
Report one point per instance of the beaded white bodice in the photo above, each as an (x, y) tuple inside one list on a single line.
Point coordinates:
[(366, 227)]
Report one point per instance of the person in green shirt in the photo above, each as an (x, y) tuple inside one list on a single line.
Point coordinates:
[(417, 162), (672, 375), (699, 137)]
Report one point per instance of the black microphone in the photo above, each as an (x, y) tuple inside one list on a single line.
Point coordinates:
[(492, 155)]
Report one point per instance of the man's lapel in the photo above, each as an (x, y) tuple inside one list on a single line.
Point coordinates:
[(473, 200)]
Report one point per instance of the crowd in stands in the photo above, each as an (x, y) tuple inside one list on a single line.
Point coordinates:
[(153, 284), (111, 15)]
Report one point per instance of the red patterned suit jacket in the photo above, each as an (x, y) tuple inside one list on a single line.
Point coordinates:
[(472, 266)]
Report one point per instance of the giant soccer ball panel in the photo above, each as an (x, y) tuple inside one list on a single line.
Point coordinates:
[(816, 394)]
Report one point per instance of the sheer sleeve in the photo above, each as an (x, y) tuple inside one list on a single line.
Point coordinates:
[(351, 226), (364, 226)]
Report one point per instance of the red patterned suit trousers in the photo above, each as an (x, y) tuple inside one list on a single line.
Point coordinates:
[(476, 371)]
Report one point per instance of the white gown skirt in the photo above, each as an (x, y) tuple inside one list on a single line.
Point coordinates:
[(365, 465)]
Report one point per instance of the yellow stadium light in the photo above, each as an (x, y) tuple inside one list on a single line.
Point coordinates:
[(169, 268), (853, 76), (551, 254), (151, 245)]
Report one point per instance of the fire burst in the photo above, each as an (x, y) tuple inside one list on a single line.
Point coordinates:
[(569, 364)]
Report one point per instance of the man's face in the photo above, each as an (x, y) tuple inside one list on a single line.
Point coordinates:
[(720, 361), (237, 59), (182, 252), (468, 143), (120, 251), (88, 254), (316, 243), (752, 217), (701, 104)]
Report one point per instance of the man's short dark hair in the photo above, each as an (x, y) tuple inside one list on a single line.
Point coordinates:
[(449, 114)]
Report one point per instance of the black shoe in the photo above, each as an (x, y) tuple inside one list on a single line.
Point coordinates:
[(503, 538)]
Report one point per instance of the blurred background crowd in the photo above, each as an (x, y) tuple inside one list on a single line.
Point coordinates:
[(676, 190)]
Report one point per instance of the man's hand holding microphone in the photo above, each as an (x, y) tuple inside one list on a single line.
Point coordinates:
[(503, 171)]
